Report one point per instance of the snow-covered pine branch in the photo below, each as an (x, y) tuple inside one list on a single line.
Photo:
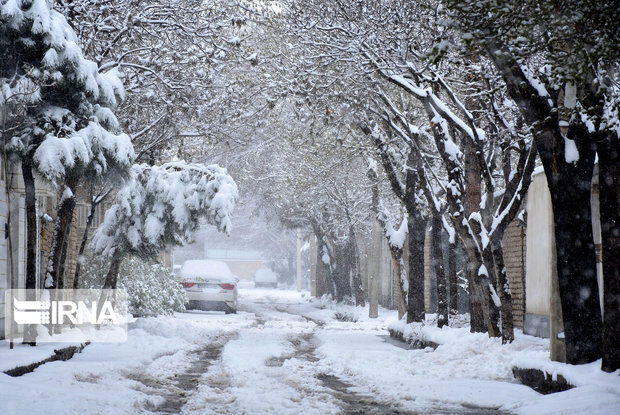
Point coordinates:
[(163, 205)]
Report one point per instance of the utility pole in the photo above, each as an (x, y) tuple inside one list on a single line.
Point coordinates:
[(374, 259), (298, 259), (313, 258)]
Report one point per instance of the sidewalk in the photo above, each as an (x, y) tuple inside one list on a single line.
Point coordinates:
[(454, 351), (49, 348)]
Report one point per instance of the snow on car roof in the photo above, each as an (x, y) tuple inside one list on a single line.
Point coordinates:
[(205, 268)]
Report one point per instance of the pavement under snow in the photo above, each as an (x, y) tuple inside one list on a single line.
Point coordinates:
[(285, 353)]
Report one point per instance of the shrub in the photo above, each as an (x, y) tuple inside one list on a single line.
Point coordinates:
[(345, 316), (150, 288)]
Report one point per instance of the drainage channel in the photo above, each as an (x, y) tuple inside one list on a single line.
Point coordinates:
[(59, 354)]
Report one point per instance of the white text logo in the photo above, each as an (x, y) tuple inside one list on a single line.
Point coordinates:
[(61, 312)]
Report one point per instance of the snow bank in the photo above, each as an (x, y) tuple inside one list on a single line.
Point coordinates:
[(463, 355)]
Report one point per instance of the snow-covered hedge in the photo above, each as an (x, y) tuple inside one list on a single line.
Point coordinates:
[(150, 288)]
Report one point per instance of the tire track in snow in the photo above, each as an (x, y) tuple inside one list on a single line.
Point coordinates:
[(353, 402), (178, 389), (350, 402), (249, 377)]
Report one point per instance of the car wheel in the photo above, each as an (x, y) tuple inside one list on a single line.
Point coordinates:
[(231, 311)]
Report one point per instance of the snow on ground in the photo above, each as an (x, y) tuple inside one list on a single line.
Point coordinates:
[(258, 374), (480, 357), (272, 356), (460, 375), (99, 380)]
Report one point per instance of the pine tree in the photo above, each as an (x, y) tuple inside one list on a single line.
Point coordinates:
[(59, 120), (162, 206)]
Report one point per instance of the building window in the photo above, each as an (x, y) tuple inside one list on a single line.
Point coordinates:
[(83, 210)]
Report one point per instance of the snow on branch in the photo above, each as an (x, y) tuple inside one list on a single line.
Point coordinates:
[(70, 128), (92, 148), (396, 237), (163, 205)]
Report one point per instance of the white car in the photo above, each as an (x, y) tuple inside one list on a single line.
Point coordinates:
[(264, 277), (209, 285)]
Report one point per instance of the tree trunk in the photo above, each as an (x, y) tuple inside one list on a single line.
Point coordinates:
[(473, 197), (503, 289), (415, 294), (374, 254), (452, 279), (78, 266), (609, 182), (322, 271), (489, 303), (111, 277), (30, 331), (63, 223), (576, 263), (399, 271), (398, 264), (62, 264), (569, 186), (354, 264), (416, 232), (476, 313), (440, 274), (489, 288), (341, 273)]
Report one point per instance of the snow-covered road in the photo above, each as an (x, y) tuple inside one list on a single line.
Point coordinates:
[(283, 353), (287, 355)]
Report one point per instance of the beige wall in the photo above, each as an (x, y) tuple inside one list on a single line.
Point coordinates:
[(540, 247), (245, 269), (4, 247), (17, 229)]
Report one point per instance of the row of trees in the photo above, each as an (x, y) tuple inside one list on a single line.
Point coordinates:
[(353, 86), (571, 106), (454, 101)]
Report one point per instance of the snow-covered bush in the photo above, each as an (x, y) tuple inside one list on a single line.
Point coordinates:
[(345, 316), (150, 288)]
